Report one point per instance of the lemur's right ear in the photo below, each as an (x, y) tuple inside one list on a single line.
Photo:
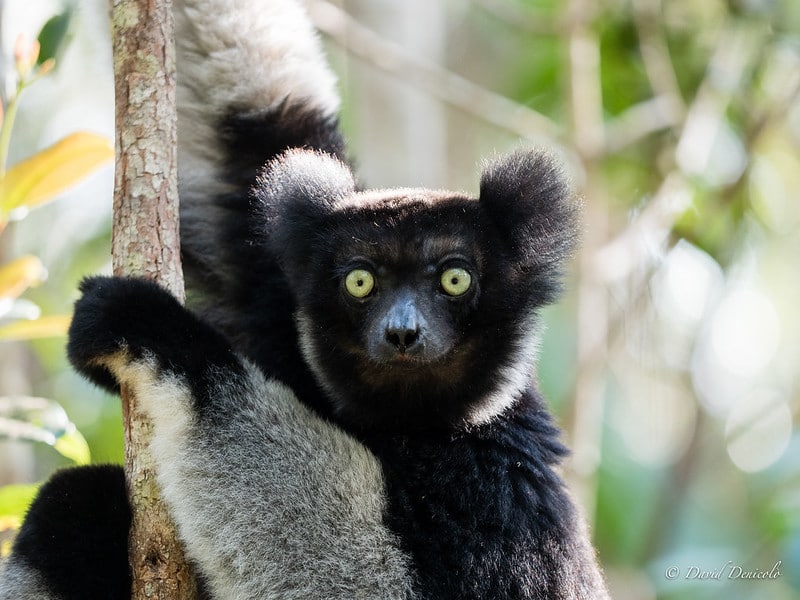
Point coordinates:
[(294, 194)]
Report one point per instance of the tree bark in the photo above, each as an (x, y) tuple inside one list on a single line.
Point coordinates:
[(145, 243)]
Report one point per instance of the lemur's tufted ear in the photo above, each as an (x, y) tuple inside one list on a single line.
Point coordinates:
[(528, 198), (303, 177), (294, 193)]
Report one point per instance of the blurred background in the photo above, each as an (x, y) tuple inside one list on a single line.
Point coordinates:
[(673, 363)]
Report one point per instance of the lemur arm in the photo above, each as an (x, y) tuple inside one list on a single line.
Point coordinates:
[(270, 500)]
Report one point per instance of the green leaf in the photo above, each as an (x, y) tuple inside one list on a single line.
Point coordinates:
[(15, 499), (54, 36), (14, 502)]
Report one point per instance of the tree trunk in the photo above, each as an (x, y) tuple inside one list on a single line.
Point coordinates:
[(145, 243)]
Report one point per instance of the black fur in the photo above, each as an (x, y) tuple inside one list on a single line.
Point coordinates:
[(517, 234), (482, 511), (527, 196), (76, 534), (477, 505), (230, 284), (140, 318), (253, 138)]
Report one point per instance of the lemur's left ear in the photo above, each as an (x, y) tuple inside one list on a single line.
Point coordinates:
[(528, 198), (293, 195)]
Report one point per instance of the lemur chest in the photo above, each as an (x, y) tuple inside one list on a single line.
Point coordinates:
[(474, 514)]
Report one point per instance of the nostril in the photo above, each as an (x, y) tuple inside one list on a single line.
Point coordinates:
[(402, 339)]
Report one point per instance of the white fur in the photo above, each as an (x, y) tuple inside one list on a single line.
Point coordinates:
[(514, 376), (272, 501), (318, 175), (247, 54), (308, 346)]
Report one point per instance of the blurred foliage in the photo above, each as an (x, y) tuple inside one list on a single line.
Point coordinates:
[(27, 185), (692, 245), (37, 180), (14, 501)]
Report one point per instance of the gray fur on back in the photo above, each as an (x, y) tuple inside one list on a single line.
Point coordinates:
[(18, 581), (271, 501)]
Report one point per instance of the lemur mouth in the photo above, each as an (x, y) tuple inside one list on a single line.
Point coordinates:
[(412, 365), (413, 357), (402, 363), (402, 358)]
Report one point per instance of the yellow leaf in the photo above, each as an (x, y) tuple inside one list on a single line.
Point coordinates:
[(46, 174), (73, 446), (20, 274), (42, 327)]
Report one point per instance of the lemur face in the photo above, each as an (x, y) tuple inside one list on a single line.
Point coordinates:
[(415, 308), (409, 313), (401, 289)]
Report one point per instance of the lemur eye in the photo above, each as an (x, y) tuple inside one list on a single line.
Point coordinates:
[(456, 281), (359, 283)]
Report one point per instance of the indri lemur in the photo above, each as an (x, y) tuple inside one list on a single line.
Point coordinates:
[(350, 410)]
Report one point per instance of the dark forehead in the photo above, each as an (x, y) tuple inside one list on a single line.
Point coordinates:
[(411, 228)]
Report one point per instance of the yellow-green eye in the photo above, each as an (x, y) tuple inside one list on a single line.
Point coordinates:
[(359, 283), (456, 281)]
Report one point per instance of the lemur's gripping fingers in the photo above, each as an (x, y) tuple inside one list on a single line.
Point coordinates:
[(119, 321)]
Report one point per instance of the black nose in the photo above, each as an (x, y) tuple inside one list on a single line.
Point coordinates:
[(402, 338)]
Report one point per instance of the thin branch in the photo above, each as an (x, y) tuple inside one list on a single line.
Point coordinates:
[(145, 243), (641, 120), (586, 96), (633, 246), (655, 53), (667, 108), (586, 106), (431, 78), (520, 18), (777, 111), (761, 124), (653, 226)]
